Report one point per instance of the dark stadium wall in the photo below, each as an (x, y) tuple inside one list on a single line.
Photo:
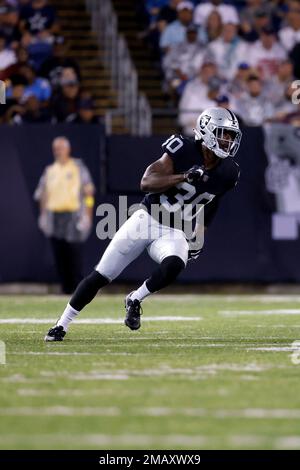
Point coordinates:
[(238, 247)]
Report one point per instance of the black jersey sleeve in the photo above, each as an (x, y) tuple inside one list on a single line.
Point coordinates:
[(176, 148)]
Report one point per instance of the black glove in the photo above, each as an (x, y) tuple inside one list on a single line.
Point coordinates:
[(194, 174), (194, 254)]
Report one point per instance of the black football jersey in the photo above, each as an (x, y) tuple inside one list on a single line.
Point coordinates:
[(185, 198)]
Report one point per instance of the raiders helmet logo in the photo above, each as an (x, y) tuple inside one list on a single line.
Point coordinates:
[(204, 121)]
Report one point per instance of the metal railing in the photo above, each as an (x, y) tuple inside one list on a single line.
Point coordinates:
[(132, 105)]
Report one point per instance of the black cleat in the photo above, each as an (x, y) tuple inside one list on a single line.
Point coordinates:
[(56, 333), (133, 313)]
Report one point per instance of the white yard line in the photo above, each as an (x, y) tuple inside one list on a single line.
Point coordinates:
[(247, 413), (59, 411), (244, 413), (264, 298), (52, 353), (288, 442), (99, 376), (92, 321), (34, 392), (233, 313), (259, 413), (164, 371), (107, 352), (247, 440), (106, 440), (275, 349), (83, 440)]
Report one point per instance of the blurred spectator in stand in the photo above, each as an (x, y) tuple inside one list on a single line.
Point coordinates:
[(238, 85), (86, 111), (212, 27), (154, 19), (66, 196), (32, 112), (254, 17), (228, 51), (153, 8), (266, 53), (199, 93), (278, 83), (39, 19), (253, 106), (7, 56), (183, 61), (14, 98), (14, 69), (292, 117), (290, 35), (227, 12), (53, 67), (284, 104), (39, 51), (222, 101), (9, 25), (295, 58), (175, 33), (38, 25), (24, 5), (167, 14), (37, 86), (66, 100)]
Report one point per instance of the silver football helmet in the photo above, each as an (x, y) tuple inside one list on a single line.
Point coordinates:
[(214, 127)]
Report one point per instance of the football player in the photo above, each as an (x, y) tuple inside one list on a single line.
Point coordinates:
[(190, 172)]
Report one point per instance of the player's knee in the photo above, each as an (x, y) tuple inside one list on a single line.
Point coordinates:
[(172, 267), (96, 280), (87, 290)]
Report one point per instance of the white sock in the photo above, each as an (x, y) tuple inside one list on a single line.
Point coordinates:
[(69, 315), (141, 293)]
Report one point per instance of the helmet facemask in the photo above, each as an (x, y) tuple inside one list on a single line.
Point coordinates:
[(214, 136), (226, 147)]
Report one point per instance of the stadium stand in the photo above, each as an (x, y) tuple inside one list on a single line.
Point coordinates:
[(75, 23), (73, 45), (146, 62), (123, 62), (242, 38)]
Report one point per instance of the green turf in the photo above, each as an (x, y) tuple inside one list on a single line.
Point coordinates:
[(181, 385)]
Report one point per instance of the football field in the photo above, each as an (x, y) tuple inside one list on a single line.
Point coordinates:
[(203, 372)]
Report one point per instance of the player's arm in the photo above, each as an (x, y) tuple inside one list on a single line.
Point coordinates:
[(159, 176), (43, 202), (40, 194), (89, 200)]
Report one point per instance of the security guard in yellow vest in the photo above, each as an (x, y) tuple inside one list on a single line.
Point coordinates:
[(66, 196)]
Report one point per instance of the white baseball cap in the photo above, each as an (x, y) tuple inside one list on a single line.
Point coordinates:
[(185, 6)]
